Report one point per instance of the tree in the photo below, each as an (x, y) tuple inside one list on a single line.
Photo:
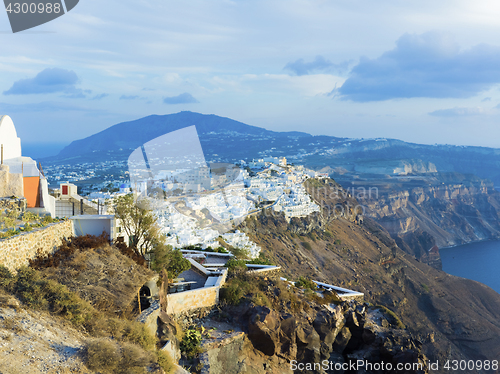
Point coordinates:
[(164, 257), (139, 223)]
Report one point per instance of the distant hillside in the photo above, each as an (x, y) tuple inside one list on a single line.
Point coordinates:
[(227, 140), (130, 135)]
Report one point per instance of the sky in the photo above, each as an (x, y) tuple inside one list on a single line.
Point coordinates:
[(421, 71)]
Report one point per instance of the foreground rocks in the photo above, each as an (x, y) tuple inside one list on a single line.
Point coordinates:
[(325, 339), (343, 334)]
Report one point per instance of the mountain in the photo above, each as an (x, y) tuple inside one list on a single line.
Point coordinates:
[(227, 140), (130, 135)]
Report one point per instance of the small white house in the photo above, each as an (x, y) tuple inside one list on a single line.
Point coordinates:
[(95, 225)]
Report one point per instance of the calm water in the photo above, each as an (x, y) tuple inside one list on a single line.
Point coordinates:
[(477, 261)]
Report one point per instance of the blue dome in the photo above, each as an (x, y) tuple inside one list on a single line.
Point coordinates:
[(123, 186)]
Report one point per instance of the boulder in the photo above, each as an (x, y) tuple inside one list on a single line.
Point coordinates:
[(342, 340), (263, 326)]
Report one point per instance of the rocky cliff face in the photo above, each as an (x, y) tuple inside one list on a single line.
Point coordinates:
[(326, 340), (442, 210), (329, 338), (454, 318)]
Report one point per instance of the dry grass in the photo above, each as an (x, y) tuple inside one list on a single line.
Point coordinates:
[(108, 356), (102, 276)]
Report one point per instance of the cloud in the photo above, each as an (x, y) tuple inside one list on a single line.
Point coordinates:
[(428, 65), (320, 64), (100, 96), (77, 93), (49, 80), (486, 99), (457, 112), (129, 97), (185, 98)]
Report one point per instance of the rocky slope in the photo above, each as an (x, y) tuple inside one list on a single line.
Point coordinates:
[(296, 333), (454, 318), (34, 342), (421, 211), (333, 338)]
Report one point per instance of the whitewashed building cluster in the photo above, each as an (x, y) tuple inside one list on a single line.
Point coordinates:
[(224, 195), (241, 240)]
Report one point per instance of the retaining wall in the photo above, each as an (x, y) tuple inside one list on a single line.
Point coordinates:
[(188, 300), (17, 250)]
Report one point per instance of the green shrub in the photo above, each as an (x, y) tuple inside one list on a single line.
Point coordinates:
[(30, 217), (337, 242), (6, 278), (261, 260), (134, 359), (240, 253), (232, 293), (190, 344), (48, 220), (137, 332), (306, 245), (27, 227), (305, 283), (326, 298), (234, 265), (164, 257), (102, 355), (312, 236), (393, 318), (165, 361), (108, 356), (260, 298), (425, 287), (39, 293)]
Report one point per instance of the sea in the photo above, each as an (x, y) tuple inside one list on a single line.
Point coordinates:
[(41, 150), (479, 261)]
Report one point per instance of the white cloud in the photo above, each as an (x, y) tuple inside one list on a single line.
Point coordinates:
[(458, 112)]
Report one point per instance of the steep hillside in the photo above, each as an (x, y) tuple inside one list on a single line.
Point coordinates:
[(455, 318), (442, 209), (36, 342)]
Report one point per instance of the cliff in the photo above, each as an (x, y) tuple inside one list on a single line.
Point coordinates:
[(422, 211), (454, 318)]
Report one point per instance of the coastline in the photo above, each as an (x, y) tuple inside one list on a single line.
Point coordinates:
[(479, 263), (472, 242)]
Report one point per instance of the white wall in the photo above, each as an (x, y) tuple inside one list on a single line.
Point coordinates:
[(94, 225), (8, 137)]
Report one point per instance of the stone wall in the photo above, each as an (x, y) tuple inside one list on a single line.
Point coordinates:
[(17, 250), (10, 184), (18, 203), (188, 300)]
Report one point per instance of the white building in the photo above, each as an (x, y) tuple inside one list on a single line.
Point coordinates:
[(8, 138), (21, 173)]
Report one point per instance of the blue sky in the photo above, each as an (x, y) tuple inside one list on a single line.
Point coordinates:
[(421, 71)]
